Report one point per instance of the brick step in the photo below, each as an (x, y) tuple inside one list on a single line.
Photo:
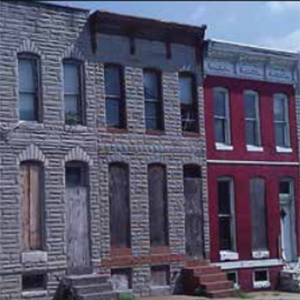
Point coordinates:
[(205, 278), (217, 286), (82, 280), (93, 288), (221, 294), (207, 270), (98, 296), (193, 264)]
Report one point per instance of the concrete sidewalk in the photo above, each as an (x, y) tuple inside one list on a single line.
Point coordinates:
[(254, 296)]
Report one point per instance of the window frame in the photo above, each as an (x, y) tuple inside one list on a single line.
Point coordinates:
[(38, 95), (226, 118), (121, 99), (285, 122), (160, 126), (232, 217), (261, 284), (194, 105), (81, 105), (256, 119)]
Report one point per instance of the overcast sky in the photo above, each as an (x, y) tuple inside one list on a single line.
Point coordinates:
[(273, 24)]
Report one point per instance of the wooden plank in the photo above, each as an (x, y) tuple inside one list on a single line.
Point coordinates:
[(25, 205), (119, 206), (194, 217), (158, 209), (35, 207), (258, 212)]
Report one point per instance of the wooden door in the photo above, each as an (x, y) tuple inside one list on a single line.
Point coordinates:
[(78, 241), (193, 218)]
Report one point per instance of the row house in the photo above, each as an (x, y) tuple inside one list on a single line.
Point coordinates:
[(252, 161)]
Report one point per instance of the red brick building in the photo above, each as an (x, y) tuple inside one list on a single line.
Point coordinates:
[(252, 161)]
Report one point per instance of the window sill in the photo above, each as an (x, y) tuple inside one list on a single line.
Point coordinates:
[(34, 257), (223, 147), (252, 148), (75, 128), (116, 130), (261, 284), (190, 134), (261, 254), (155, 132), (34, 294), (228, 255), (283, 150), (31, 124)]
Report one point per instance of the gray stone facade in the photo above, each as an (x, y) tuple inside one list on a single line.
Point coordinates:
[(55, 33)]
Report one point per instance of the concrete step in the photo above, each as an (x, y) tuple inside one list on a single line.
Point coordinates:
[(217, 286), (205, 278), (98, 296), (93, 288), (82, 280), (221, 293)]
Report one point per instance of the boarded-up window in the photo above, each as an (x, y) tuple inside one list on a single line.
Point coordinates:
[(226, 214), (158, 205), (31, 200), (258, 212), (119, 205)]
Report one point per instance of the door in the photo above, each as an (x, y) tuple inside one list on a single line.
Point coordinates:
[(77, 218), (286, 232), (193, 218)]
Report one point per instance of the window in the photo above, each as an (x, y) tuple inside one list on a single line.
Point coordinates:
[(261, 279), (221, 116), (158, 209), (119, 205), (153, 100), (258, 214), (188, 100), (281, 120), (285, 187), (73, 92), (252, 124), (160, 276), (29, 87), (114, 96), (33, 282), (32, 206), (226, 214), (121, 279)]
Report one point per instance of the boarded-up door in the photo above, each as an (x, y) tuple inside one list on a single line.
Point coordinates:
[(78, 237), (193, 218)]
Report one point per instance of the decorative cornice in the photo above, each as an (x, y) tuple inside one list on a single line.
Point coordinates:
[(77, 154)]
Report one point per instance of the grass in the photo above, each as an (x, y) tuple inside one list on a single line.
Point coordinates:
[(126, 296)]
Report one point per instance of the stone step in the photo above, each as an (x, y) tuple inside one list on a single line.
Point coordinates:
[(82, 280), (221, 293), (98, 296), (93, 288), (217, 286), (205, 278)]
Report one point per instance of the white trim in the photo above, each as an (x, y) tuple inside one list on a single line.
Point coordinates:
[(223, 147), (252, 148), (261, 284), (34, 257), (260, 254), (244, 264), (34, 294), (244, 162), (228, 255), (283, 150)]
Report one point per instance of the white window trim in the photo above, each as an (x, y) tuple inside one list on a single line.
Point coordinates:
[(287, 136), (280, 149), (34, 256), (257, 118), (227, 116), (261, 284), (258, 254), (252, 148), (223, 147), (231, 254), (34, 294), (228, 255)]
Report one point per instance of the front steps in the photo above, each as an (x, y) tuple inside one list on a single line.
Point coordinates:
[(290, 278), (206, 280), (86, 287)]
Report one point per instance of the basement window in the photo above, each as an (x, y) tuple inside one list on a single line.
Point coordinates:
[(160, 276), (33, 282), (233, 277), (261, 279), (121, 279)]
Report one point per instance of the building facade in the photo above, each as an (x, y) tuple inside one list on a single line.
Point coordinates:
[(251, 112)]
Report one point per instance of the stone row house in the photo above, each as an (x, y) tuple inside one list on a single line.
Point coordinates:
[(134, 149)]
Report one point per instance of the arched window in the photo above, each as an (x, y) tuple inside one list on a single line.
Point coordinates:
[(158, 205), (74, 105), (29, 83), (32, 184), (119, 199)]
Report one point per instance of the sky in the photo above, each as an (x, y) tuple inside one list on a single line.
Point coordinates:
[(274, 24)]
